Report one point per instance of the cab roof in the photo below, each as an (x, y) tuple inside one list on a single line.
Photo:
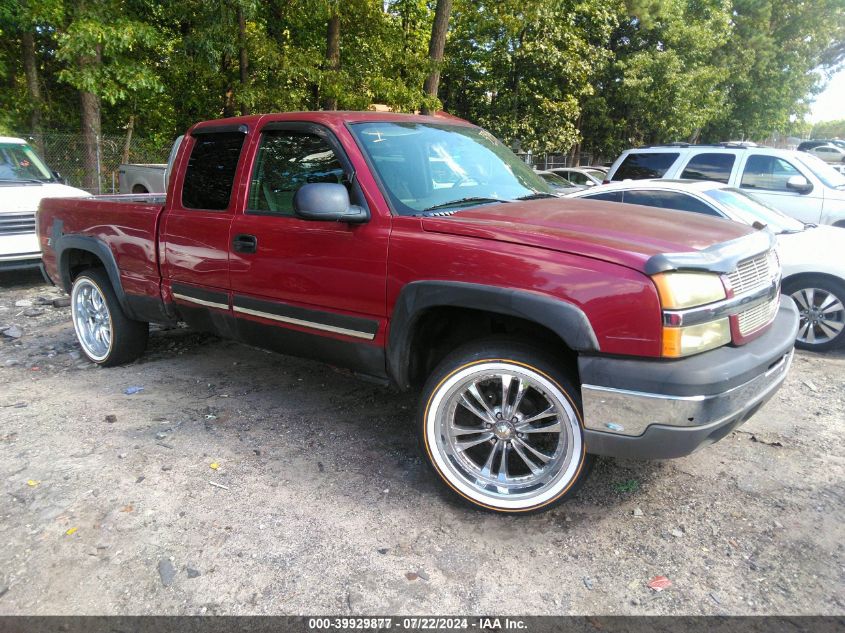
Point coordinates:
[(333, 118)]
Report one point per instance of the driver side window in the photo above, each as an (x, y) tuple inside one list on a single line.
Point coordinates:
[(286, 160), (767, 172)]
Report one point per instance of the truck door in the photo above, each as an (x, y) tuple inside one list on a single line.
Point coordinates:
[(195, 231), (307, 287)]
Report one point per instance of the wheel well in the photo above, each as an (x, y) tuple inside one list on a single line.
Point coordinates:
[(802, 277), (139, 189), (78, 260), (440, 330)]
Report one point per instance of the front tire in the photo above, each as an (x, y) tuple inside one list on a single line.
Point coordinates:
[(501, 426), (107, 336), (821, 308)]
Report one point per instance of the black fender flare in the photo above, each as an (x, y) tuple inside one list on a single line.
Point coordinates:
[(564, 319), (64, 244)]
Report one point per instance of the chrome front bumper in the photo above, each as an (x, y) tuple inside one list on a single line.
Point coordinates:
[(654, 409), (632, 412)]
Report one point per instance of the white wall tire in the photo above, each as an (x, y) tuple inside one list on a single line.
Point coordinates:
[(501, 426), (105, 334)]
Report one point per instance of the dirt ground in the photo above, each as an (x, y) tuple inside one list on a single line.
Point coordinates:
[(242, 482)]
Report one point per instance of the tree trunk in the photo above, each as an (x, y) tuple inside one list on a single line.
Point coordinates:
[(332, 53), (130, 127), (243, 60), (436, 46), (30, 69), (228, 89), (91, 128)]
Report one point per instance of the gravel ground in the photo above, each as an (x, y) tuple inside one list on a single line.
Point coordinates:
[(242, 482)]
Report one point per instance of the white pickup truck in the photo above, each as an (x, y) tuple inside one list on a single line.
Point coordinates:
[(24, 181)]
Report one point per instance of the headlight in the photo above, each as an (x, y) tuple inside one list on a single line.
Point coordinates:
[(693, 339), (687, 290), (680, 291)]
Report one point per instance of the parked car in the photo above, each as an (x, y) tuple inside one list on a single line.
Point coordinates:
[(829, 153), (558, 184), (541, 331), (806, 146), (811, 255), (139, 178), (795, 183), (24, 181), (584, 176)]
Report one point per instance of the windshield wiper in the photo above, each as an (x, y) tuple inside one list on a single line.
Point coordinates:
[(23, 180), (470, 200), (537, 196)]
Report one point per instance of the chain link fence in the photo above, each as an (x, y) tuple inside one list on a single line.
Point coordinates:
[(64, 152), (555, 161)]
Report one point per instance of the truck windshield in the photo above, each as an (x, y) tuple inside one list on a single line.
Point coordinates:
[(18, 163), (427, 166)]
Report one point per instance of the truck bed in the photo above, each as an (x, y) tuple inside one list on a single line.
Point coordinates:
[(126, 224)]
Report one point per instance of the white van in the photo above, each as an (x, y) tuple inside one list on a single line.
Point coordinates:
[(24, 181), (795, 183)]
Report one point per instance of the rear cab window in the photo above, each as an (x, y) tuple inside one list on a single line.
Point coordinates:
[(642, 165), (710, 166), (210, 175)]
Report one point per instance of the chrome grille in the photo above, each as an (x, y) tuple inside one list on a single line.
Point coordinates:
[(752, 274), (758, 316), (17, 223)]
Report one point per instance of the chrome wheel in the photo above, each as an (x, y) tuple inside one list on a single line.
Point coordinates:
[(505, 435), (822, 315), (91, 319)]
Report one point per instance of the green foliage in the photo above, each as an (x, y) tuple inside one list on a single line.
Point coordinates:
[(521, 67), (828, 129), (124, 46), (771, 53), (547, 74), (660, 84)]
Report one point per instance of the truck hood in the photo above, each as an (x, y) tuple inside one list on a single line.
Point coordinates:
[(25, 197), (623, 234)]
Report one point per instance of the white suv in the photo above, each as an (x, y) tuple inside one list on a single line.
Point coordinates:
[(24, 181), (795, 183)]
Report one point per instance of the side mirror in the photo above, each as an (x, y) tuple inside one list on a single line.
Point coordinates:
[(799, 184), (327, 202), (590, 183), (59, 178)]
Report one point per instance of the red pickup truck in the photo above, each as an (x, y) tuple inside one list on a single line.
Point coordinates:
[(421, 252)]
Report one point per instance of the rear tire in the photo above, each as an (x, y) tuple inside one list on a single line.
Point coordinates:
[(500, 424), (821, 307), (107, 336)]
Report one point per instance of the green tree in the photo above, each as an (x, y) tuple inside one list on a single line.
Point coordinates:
[(828, 129), (108, 56), (522, 67), (770, 58), (660, 85)]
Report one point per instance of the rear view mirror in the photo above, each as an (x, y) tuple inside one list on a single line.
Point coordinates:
[(327, 202), (799, 184)]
